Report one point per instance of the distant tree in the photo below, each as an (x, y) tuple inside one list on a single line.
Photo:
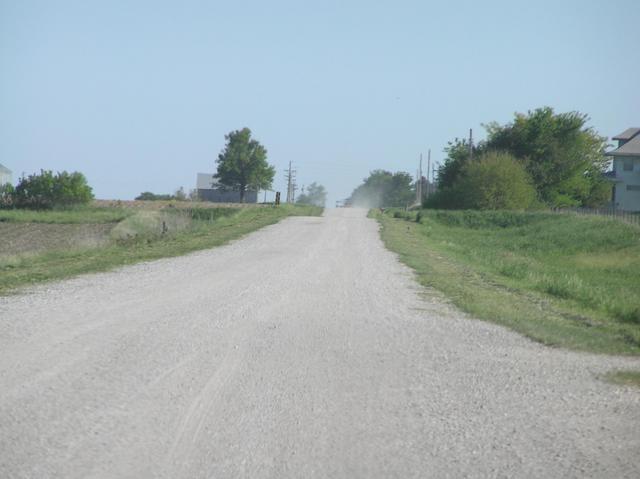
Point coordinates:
[(180, 195), (315, 195), (46, 190), (564, 158), (146, 196), (243, 164), (383, 188), (496, 181)]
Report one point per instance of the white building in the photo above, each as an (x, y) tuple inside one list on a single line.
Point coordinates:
[(5, 175), (626, 170)]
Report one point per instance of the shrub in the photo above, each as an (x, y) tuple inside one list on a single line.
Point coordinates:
[(7, 192), (46, 190), (496, 181)]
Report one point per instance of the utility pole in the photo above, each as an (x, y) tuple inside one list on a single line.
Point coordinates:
[(428, 170), (420, 181), (470, 144), (290, 176)]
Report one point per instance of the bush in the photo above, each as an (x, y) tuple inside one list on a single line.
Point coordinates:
[(7, 192), (496, 181), (46, 190)]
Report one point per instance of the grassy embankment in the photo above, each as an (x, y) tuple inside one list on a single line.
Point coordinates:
[(134, 236), (561, 280)]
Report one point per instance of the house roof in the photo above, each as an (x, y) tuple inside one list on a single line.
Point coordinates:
[(4, 169), (630, 148), (627, 134), (206, 181)]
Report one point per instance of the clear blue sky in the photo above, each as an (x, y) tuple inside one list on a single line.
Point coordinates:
[(138, 95)]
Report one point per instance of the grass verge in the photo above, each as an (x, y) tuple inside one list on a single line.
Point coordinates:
[(561, 280), (74, 215), (207, 229)]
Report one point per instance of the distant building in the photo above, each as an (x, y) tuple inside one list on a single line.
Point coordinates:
[(626, 170), (210, 189), (5, 175)]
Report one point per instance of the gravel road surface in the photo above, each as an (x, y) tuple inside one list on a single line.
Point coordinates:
[(303, 350)]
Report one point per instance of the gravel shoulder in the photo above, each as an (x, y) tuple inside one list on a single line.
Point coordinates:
[(302, 350)]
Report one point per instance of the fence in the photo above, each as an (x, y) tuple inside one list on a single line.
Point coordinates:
[(620, 215)]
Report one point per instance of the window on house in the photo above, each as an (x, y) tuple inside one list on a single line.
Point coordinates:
[(627, 164), (633, 187)]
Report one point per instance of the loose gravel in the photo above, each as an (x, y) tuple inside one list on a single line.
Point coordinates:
[(302, 350)]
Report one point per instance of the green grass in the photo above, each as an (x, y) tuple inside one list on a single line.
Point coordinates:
[(81, 214), (205, 231), (627, 378), (562, 280)]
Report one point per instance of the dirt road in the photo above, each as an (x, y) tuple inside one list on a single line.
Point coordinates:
[(302, 350)]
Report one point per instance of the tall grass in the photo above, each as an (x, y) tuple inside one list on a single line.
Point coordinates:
[(71, 215), (582, 271)]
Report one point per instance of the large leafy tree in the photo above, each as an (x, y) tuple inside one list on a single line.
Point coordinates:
[(564, 157), (457, 156), (383, 188), (315, 195), (242, 165)]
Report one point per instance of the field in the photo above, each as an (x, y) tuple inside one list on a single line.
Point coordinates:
[(562, 280), (46, 245)]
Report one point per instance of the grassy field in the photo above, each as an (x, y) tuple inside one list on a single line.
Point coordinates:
[(562, 280), (137, 236)]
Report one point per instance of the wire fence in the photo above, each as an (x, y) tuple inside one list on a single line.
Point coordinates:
[(628, 217)]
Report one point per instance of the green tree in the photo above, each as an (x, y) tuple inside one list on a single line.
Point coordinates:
[(383, 188), (496, 181), (315, 195), (146, 196), (243, 164), (46, 190), (457, 156), (564, 158)]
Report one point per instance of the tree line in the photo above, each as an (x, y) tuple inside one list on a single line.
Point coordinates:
[(540, 159), (46, 190), (241, 166)]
